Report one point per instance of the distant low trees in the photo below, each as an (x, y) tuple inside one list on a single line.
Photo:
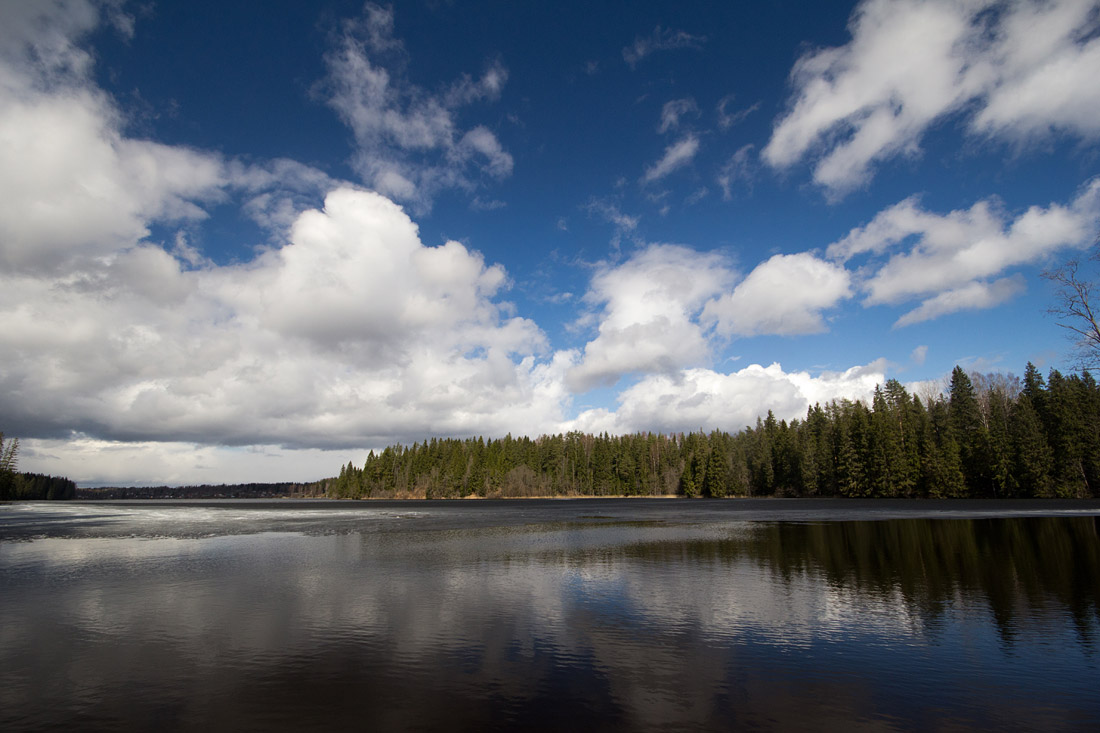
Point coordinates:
[(208, 491), (990, 436)]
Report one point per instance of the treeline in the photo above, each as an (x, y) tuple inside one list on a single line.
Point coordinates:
[(989, 436), (16, 486), (37, 487), (207, 491)]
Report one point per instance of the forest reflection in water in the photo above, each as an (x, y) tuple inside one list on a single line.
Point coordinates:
[(588, 620), (1019, 569)]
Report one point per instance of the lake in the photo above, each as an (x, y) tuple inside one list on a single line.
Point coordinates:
[(583, 614)]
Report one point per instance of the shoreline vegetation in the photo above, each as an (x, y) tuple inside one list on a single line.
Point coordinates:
[(990, 436)]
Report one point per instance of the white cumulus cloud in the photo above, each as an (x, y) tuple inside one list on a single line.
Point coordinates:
[(703, 398), (344, 332), (784, 295), (72, 184), (352, 334), (649, 320)]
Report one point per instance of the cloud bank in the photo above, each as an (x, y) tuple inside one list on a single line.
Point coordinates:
[(704, 399)]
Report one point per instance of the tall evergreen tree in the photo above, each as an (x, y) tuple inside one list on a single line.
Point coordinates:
[(1064, 432), (1031, 456), (716, 479), (943, 470), (970, 433), (1089, 406)]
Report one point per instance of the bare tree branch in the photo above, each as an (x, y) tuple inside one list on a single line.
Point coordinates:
[(1077, 309)]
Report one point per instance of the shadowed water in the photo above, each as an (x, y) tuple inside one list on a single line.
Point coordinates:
[(641, 615)]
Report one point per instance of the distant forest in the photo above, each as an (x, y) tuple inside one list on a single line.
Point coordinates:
[(992, 435), (206, 491), (36, 487)]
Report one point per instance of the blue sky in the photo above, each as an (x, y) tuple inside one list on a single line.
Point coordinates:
[(242, 244)]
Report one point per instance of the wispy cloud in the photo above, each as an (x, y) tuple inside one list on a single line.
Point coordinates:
[(674, 110), (972, 296), (662, 39), (676, 156), (950, 258), (726, 118), (410, 142), (741, 167), (610, 212), (1017, 70), (480, 204)]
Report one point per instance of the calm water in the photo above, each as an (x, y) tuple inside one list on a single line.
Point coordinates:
[(629, 615)]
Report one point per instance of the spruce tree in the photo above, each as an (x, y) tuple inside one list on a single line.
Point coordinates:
[(715, 481), (1031, 456), (942, 464), (970, 434), (1065, 429), (1089, 403)]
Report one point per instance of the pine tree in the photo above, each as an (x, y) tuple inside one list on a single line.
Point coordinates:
[(942, 466), (716, 480), (1065, 429), (849, 428), (1002, 476), (1031, 456), (816, 453), (970, 434), (603, 475), (885, 468), (456, 470), (1089, 404), (786, 459)]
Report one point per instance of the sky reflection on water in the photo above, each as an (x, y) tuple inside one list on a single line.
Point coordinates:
[(598, 616)]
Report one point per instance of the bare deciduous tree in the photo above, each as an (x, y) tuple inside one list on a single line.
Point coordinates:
[(1077, 308)]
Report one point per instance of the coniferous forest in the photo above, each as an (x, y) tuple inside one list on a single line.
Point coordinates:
[(28, 486), (38, 487), (989, 436)]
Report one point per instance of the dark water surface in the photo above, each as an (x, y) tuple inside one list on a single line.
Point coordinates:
[(549, 615)]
